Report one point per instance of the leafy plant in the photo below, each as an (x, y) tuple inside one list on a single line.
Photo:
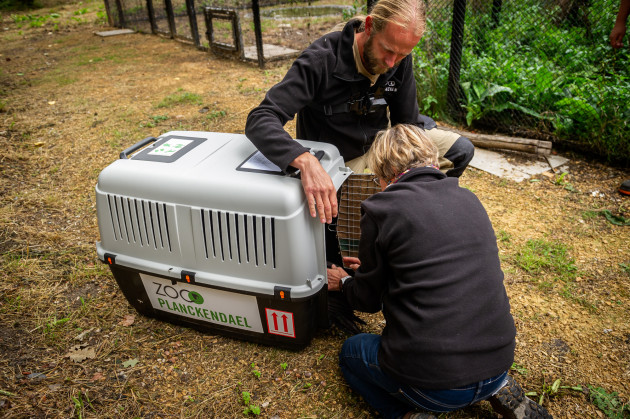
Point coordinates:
[(482, 99), (249, 408), (356, 8), (519, 368), (52, 325), (79, 404), (255, 371), (216, 114), (19, 4), (284, 366), (155, 120), (618, 220), (560, 180), (552, 390), (608, 403)]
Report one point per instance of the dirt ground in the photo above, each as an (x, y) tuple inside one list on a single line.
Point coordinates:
[(72, 346)]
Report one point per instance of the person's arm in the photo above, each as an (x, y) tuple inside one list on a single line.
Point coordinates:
[(265, 123), (364, 292), (335, 275), (265, 129), (619, 30), (320, 192)]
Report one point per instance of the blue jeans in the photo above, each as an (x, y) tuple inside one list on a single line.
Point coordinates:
[(359, 364)]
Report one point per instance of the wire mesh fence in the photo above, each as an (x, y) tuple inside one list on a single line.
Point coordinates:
[(285, 27), (540, 69), (355, 190)]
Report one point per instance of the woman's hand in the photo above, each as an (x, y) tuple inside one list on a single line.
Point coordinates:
[(351, 262)]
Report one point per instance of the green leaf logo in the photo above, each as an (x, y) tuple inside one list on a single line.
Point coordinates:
[(195, 297)]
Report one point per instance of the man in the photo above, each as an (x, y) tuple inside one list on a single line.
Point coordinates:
[(344, 88), (449, 337)]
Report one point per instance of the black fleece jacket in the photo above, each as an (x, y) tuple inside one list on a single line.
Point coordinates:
[(325, 77), (430, 261)]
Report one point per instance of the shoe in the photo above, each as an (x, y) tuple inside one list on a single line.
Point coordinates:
[(624, 188), (512, 403)]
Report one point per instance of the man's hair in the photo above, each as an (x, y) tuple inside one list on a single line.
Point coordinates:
[(406, 13), (399, 148)]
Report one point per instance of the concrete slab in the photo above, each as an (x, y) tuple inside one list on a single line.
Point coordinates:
[(115, 32), (270, 51), (514, 167)]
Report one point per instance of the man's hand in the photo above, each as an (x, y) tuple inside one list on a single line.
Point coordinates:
[(321, 194), (334, 277)]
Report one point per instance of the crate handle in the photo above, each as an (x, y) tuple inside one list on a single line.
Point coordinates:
[(293, 172), (137, 146)]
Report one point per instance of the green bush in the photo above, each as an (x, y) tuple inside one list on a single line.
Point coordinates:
[(536, 72), (19, 4)]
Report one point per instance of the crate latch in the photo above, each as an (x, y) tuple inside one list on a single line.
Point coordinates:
[(109, 258), (188, 276), (282, 293)]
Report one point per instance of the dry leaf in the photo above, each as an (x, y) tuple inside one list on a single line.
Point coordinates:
[(98, 377), (128, 320), (130, 363), (80, 353)]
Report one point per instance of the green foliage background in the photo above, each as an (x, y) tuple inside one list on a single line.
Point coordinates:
[(538, 70)]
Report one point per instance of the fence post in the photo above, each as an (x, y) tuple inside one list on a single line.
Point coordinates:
[(168, 5), (192, 17), (151, 13), (121, 14), (258, 32), (496, 12), (457, 37)]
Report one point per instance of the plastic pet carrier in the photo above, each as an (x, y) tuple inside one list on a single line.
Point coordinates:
[(199, 229)]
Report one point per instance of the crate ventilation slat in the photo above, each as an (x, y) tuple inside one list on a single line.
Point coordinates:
[(239, 238), (139, 222)]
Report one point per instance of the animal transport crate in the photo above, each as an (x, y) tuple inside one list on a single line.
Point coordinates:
[(199, 229)]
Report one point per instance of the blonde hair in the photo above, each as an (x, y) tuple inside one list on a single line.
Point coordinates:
[(399, 148), (405, 13)]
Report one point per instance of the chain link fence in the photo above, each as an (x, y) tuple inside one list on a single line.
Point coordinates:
[(539, 69)]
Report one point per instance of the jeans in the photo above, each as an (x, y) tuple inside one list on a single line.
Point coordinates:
[(359, 364)]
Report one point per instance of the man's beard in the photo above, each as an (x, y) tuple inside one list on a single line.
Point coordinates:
[(371, 63)]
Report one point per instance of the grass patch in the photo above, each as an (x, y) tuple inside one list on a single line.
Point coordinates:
[(180, 98), (539, 257), (154, 120)]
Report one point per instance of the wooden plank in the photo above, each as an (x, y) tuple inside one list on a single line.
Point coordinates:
[(504, 142)]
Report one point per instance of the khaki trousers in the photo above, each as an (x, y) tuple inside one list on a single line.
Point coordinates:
[(444, 140)]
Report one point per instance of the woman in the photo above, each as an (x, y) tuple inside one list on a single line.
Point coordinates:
[(428, 258)]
